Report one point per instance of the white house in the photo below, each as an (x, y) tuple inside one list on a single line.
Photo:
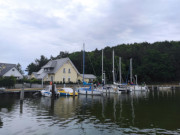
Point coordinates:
[(7, 70)]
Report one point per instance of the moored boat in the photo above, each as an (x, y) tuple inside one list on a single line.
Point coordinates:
[(139, 88), (47, 92), (67, 92), (89, 91)]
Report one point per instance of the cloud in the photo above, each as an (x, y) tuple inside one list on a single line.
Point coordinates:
[(29, 29)]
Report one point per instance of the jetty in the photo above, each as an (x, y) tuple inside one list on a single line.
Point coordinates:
[(18, 91), (163, 87)]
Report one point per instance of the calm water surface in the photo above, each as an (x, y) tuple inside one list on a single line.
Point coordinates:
[(154, 112)]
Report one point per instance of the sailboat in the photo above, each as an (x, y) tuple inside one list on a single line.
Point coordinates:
[(106, 88), (121, 88), (136, 87), (87, 87)]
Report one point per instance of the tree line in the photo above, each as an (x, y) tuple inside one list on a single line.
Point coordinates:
[(152, 62)]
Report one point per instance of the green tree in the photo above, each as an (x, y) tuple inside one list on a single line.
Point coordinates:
[(19, 68)]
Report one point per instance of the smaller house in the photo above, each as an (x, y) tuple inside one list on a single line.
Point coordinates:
[(7, 70), (34, 75), (89, 78)]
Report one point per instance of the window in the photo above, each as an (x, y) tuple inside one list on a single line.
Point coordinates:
[(64, 70), (51, 78), (13, 69), (69, 71), (64, 79), (69, 79)]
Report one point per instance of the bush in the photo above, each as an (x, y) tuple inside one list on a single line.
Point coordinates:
[(7, 82)]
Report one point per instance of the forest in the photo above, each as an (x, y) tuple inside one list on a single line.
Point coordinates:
[(156, 62)]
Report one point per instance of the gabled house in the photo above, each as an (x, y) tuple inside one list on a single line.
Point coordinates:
[(7, 70), (89, 78), (33, 75), (59, 70), (62, 71)]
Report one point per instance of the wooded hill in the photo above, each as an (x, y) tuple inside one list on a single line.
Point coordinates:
[(152, 63)]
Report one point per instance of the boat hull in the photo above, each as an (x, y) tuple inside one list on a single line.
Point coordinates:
[(86, 91), (67, 94), (139, 88), (46, 93)]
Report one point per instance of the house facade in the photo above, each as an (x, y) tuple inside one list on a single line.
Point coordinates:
[(7, 70), (60, 70)]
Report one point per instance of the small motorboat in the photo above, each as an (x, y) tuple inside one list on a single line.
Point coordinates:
[(47, 92), (89, 91), (66, 92)]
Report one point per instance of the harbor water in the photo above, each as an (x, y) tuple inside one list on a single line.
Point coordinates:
[(153, 112)]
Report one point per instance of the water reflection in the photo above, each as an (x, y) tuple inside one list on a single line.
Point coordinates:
[(137, 113)]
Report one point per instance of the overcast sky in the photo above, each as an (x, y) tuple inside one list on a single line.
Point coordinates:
[(30, 28)]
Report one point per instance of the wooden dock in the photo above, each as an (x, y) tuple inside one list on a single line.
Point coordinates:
[(18, 91), (163, 87)]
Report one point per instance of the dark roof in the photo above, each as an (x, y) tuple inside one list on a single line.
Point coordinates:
[(89, 76), (5, 67), (50, 64)]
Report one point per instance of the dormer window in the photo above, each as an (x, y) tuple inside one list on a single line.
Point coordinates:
[(64, 70)]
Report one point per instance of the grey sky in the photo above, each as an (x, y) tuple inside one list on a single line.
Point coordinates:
[(30, 28)]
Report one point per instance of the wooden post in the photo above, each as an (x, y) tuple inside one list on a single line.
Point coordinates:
[(22, 93), (86, 92), (53, 91), (73, 91), (92, 89)]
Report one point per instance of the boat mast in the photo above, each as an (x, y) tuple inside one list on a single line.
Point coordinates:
[(83, 61), (131, 70), (120, 77), (102, 68), (113, 68)]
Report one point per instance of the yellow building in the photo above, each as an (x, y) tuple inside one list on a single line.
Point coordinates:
[(60, 70)]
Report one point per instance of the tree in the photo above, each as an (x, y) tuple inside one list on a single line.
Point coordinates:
[(35, 67), (19, 68)]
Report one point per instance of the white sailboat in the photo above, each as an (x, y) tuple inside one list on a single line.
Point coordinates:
[(107, 88), (136, 87), (121, 88), (87, 90)]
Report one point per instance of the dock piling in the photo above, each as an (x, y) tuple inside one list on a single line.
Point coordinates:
[(22, 93), (74, 91)]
